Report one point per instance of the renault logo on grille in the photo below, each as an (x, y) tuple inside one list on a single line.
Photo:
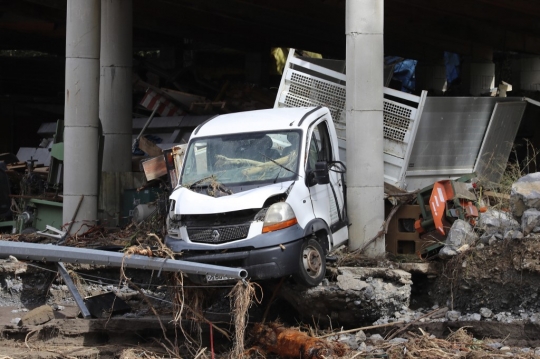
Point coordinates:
[(215, 235)]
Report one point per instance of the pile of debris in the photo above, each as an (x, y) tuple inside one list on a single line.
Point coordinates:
[(489, 277), (521, 220)]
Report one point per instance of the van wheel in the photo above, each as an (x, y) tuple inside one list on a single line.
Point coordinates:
[(311, 264)]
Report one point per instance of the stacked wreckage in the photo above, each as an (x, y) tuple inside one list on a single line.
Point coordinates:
[(262, 194)]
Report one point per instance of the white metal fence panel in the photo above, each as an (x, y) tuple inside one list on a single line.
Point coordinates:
[(307, 84)]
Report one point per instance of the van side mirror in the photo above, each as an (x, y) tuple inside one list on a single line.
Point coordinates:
[(321, 172)]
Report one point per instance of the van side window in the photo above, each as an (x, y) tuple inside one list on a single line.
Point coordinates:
[(313, 154), (319, 147)]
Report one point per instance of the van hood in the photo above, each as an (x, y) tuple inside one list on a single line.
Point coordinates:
[(190, 202)]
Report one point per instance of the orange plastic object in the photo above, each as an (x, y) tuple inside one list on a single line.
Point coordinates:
[(442, 192), (470, 209), (418, 226)]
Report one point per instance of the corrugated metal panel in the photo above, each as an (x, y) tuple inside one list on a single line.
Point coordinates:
[(498, 141), (451, 133)]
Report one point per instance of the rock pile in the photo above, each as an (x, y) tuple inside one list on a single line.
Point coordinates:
[(495, 225), (525, 194), (427, 345), (358, 295)]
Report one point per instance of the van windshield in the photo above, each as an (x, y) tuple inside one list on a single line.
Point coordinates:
[(246, 158)]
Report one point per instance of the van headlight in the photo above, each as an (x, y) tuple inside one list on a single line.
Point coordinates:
[(278, 216)]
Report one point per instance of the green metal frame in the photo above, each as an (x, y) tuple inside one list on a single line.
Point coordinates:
[(46, 213)]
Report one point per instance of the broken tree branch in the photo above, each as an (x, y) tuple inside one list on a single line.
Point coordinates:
[(427, 315), (362, 328), (383, 230)]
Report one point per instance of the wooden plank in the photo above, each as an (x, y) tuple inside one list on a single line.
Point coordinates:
[(149, 147), (41, 169), (497, 196)]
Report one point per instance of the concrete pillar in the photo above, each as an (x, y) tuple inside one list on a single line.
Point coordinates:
[(7, 126), (431, 76), (81, 112), (115, 90), (253, 67), (529, 74), (365, 178), (479, 73)]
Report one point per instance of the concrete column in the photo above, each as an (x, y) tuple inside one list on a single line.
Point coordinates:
[(431, 76), (365, 178), (115, 90), (81, 112), (529, 73), (479, 74)]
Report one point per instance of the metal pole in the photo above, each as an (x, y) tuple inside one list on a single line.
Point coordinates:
[(145, 126), (81, 110), (115, 92), (73, 289), (70, 225), (364, 105), (51, 253)]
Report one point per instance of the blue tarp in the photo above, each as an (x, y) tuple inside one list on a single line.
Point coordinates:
[(404, 71), (451, 62)]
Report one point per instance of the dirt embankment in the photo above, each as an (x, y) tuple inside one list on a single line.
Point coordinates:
[(504, 276)]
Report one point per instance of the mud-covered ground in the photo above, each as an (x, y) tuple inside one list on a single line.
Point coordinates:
[(503, 277)]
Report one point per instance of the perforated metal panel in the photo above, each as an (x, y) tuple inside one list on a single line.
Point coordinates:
[(397, 121), (324, 88), (306, 90), (307, 84)]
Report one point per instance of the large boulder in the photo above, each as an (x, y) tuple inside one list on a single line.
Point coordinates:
[(461, 233), (525, 194), (530, 221), (493, 221), (359, 296)]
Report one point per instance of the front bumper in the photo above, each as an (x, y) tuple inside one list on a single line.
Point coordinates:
[(269, 255)]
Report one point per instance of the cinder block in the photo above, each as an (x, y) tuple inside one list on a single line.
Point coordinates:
[(401, 237)]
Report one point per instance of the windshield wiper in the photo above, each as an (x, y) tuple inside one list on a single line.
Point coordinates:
[(216, 184), (279, 164), (277, 176), (204, 179)]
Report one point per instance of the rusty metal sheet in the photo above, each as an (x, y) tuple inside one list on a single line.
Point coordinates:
[(154, 168)]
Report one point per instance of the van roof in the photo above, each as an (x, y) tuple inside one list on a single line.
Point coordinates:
[(260, 120)]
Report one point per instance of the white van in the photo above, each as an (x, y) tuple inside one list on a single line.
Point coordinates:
[(262, 190)]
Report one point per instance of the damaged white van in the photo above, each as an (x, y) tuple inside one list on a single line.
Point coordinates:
[(264, 191)]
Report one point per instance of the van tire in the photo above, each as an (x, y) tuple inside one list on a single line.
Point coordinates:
[(311, 264)]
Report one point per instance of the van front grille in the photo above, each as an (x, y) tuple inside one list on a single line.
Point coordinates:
[(215, 235)]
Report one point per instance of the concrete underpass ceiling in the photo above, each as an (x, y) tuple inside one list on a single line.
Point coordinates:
[(418, 29)]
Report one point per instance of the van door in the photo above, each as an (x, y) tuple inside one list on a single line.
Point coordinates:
[(327, 199)]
